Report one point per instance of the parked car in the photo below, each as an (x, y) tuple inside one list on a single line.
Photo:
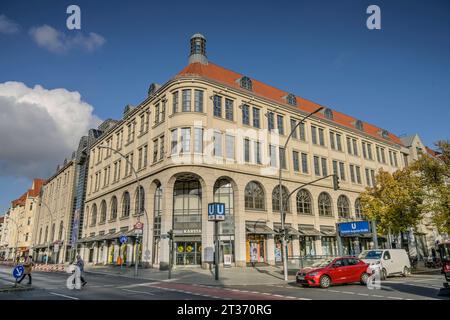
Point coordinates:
[(330, 271), (388, 261)]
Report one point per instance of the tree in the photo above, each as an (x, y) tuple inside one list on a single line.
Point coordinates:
[(434, 177), (396, 202)]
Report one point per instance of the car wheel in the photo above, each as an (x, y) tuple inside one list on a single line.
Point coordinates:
[(383, 274), (406, 272), (364, 278), (325, 282)]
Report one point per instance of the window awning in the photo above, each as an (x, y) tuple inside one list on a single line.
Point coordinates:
[(328, 231), (291, 230), (309, 231), (258, 228)]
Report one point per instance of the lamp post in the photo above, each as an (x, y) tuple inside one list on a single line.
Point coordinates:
[(139, 205), (280, 193), (51, 223)]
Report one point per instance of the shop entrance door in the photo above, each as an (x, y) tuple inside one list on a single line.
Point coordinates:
[(188, 253), (256, 249)]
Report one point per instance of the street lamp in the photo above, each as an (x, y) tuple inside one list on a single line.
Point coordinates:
[(139, 204), (280, 193)]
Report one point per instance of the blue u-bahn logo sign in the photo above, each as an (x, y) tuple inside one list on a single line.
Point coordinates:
[(216, 211), (355, 227)]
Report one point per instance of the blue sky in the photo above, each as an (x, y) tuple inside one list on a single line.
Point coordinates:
[(397, 78)]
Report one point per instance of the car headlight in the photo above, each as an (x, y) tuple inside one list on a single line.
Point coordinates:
[(312, 274)]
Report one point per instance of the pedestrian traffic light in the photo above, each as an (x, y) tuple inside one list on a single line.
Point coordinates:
[(335, 182)]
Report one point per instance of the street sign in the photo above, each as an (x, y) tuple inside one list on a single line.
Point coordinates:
[(216, 211), (18, 271), (123, 239), (355, 227)]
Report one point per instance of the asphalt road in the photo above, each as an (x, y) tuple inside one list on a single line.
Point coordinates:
[(52, 286)]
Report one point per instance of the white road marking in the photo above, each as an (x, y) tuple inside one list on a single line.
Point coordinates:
[(397, 298), (63, 295), (135, 291)]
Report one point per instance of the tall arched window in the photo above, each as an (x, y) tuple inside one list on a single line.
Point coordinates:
[(157, 212), (94, 215), (324, 202), (103, 212), (46, 234), (139, 205), (113, 208), (246, 83), (223, 192), (52, 238), (343, 206), (254, 196), (86, 217), (61, 228), (276, 199), (126, 204), (40, 236), (358, 208), (304, 202)]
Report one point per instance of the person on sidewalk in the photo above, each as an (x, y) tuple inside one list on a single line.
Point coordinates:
[(28, 266), (80, 264)]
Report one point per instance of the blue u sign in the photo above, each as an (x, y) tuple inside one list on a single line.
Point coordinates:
[(355, 227), (18, 271), (216, 211)]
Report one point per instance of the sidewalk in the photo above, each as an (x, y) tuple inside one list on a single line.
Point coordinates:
[(193, 275)]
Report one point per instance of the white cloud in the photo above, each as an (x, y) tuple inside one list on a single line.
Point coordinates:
[(7, 26), (56, 41), (39, 128)]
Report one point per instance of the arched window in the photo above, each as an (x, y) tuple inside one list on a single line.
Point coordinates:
[(359, 125), (328, 113), (126, 204), (46, 234), (304, 202), (358, 209), (86, 217), (343, 206), (254, 196), (324, 202), (291, 99), (94, 215), (276, 199), (40, 236), (103, 212), (157, 212), (246, 83), (52, 238), (113, 208), (223, 192), (61, 228), (139, 205)]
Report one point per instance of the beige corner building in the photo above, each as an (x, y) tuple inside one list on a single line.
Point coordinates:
[(53, 217), (19, 223), (213, 135)]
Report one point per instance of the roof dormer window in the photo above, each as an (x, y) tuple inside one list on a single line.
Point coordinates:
[(359, 125), (328, 114), (385, 134), (291, 99), (246, 83)]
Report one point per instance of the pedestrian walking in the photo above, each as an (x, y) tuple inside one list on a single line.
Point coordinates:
[(28, 267), (80, 264)]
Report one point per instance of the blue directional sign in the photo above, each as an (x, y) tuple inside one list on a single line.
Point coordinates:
[(355, 227), (123, 239), (216, 211), (18, 271)]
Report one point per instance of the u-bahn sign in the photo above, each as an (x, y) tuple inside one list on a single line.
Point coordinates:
[(354, 227), (216, 211)]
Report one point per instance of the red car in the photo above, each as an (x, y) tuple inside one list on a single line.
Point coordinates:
[(329, 271)]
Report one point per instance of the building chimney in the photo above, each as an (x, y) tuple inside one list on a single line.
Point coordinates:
[(198, 49)]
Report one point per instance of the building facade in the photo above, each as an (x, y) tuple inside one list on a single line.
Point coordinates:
[(213, 135)]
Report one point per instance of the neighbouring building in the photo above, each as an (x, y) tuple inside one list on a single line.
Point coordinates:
[(2, 243), (19, 222), (210, 134)]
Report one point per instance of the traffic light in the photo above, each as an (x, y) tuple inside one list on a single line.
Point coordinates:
[(170, 234), (335, 182)]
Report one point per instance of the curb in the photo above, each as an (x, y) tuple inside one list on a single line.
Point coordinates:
[(13, 289)]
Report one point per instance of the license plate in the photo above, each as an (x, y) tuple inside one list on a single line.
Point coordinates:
[(300, 278)]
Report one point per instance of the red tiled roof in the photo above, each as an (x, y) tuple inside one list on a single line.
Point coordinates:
[(33, 192), (432, 152), (230, 78)]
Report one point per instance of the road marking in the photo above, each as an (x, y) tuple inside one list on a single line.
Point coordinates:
[(348, 292), (63, 295), (363, 294), (397, 298), (135, 291)]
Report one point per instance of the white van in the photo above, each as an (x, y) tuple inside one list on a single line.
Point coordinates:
[(389, 261)]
